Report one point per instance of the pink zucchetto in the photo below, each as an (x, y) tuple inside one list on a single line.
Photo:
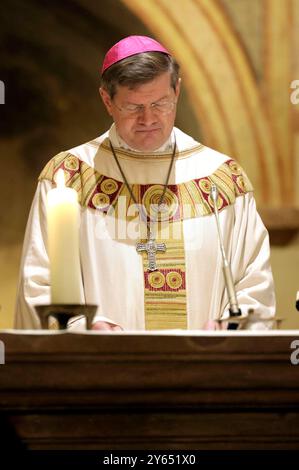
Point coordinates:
[(130, 46)]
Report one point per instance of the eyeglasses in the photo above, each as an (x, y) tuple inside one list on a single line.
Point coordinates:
[(160, 107)]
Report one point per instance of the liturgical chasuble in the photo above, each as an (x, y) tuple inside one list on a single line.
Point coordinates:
[(187, 289)]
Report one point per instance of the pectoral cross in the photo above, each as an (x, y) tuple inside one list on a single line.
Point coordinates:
[(151, 247)]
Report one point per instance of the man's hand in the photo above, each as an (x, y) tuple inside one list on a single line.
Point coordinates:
[(105, 326), (215, 325)]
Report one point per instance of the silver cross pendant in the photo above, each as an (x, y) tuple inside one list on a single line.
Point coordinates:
[(151, 247)]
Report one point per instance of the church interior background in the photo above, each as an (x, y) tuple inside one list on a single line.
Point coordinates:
[(238, 60)]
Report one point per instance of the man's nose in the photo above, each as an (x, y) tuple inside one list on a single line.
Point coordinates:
[(147, 115)]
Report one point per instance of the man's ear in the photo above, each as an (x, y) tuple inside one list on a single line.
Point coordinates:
[(178, 88), (106, 100)]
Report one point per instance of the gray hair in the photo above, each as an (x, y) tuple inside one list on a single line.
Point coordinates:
[(139, 69)]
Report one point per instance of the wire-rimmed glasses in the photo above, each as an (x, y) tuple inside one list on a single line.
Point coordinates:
[(159, 107)]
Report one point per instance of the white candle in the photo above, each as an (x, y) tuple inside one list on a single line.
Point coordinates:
[(63, 242)]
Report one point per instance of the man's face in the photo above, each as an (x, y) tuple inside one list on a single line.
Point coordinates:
[(144, 116)]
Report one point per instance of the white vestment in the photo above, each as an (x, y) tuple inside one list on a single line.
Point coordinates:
[(111, 269)]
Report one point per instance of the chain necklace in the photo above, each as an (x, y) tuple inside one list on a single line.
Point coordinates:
[(151, 246)]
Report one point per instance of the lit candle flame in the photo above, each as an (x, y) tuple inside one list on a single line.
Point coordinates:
[(59, 179)]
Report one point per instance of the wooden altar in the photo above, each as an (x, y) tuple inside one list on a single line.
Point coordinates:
[(211, 390)]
